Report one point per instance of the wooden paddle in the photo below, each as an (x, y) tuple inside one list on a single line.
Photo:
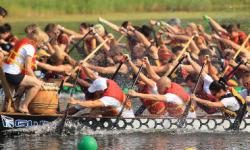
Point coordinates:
[(88, 57), (182, 120), (118, 68), (237, 53), (113, 26), (180, 55), (110, 24), (125, 101), (61, 124), (65, 115)]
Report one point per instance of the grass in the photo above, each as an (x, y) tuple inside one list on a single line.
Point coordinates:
[(72, 21), (48, 7)]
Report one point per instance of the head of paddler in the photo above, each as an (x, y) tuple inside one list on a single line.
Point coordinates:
[(203, 54), (84, 27), (191, 80), (39, 37), (3, 13), (5, 31), (162, 84), (53, 30), (29, 28), (98, 86), (217, 89), (233, 29), (138, 51)]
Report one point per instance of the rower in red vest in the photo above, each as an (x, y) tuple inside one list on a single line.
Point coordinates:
[(172, 94), (148, 86), (109, 96), (201, 92), (236, 35), (19, 65)]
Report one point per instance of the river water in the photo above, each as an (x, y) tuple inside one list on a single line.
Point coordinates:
[(45, 138), (132, 141)]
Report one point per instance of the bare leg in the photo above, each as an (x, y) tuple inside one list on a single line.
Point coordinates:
[(33, 86), (19, 95)]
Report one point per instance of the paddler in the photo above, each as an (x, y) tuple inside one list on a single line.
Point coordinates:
[(231, 102), (174, 95), (108, 97), (148, 86)]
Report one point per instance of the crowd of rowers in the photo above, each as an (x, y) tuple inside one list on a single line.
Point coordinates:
[(44, 56)]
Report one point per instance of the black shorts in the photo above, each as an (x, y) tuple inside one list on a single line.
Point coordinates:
[(14, 79)]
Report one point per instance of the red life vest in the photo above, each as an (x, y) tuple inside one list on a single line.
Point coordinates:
[(154, 107), (116, 92), (240, 38), (172, 108), (14, 54)]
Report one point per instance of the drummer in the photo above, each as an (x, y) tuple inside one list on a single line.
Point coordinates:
[(19, 66)]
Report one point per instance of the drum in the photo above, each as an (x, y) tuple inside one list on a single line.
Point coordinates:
[(46, 100)]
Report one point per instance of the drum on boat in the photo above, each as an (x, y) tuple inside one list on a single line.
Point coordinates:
[(46, 100)]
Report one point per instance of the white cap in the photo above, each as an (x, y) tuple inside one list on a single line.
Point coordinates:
[(98, 85)]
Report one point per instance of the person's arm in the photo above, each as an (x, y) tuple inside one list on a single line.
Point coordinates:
[(28, 66), (216, 25), (193, 47), (148, 81), (109, 70), (212, 70), (83, 83), (151, 72), (70, 59), (106, 47), (87, 103), (153, 97), (153, 49), (68, 31), (59, 68), (235, 46), (207, 102), (197, 67), (89, 73)]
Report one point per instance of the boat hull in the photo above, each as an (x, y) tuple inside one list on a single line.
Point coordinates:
[(14, 121)]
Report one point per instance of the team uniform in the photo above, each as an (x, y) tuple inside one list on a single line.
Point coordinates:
[(13, 66)]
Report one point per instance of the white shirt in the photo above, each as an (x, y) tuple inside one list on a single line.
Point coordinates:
[(110, 101), (207, 81), (231, 103), (26, 50), (172, 98), (154, 90)]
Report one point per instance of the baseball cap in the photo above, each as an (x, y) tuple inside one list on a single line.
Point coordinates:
[(98, 85)]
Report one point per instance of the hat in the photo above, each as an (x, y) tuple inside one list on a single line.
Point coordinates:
[(174, 21), (98, 85)]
